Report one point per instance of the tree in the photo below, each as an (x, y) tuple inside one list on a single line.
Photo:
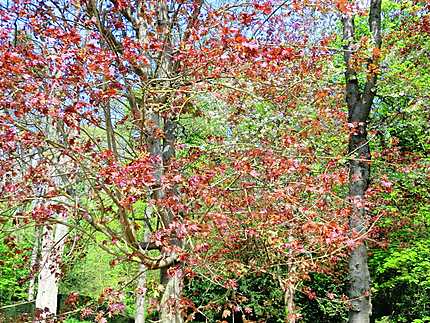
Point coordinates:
[(96, 53), (359, 105)]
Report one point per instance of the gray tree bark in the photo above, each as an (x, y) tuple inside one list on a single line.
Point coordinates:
[(359, 105)]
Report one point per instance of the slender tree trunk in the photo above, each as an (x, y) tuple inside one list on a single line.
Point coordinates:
[(289, 302), (53, 239), (35, 253), (33, 264), (140, 298), (359, 105), (289, 287)]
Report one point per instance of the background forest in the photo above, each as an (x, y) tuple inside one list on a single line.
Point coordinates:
[(214, 161)]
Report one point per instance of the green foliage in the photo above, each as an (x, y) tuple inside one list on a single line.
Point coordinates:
[(13, 270), (202, 122), (326, 305), (96, 270), (261, 296), (401, 272), (73, 320), (91, 274), (402, 282), (257, 297)]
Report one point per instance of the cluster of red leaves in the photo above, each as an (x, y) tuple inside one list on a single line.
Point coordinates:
[(261, 204)]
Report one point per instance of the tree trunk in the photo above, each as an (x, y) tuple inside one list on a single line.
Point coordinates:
[(170, 307), (53, 241), (33, 264), (359, 105), (52, 250), (358, 268), (164, 150), (141, 293), (359, 293), (289, 302)]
